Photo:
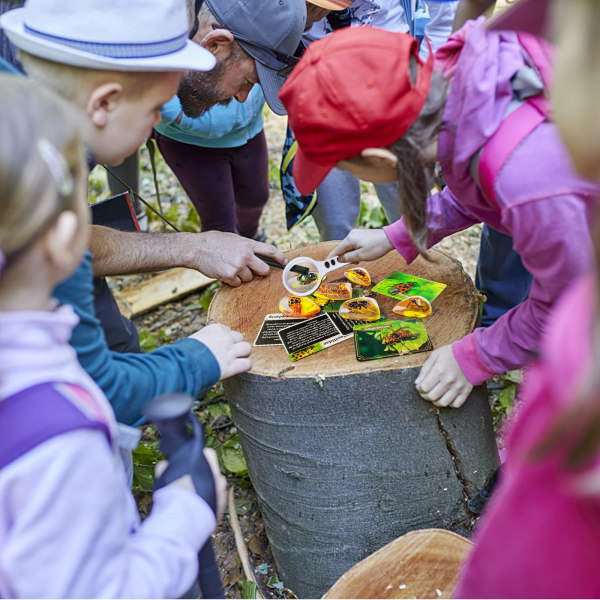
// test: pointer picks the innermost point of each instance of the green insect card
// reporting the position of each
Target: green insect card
(399, 285)
(390, 338)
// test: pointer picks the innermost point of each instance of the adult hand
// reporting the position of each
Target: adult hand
(229, 257)
(362, 244)
(187, 483)
(441, 380)
(228, 347)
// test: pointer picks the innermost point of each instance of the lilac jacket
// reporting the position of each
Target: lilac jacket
(543, 204)
(69, 526)
(540, 535)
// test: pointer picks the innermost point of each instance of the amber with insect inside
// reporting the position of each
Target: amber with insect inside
(296, 306)
(304, 280)
(360, 309)
(359, 276)
(335, 291)
(413, 306)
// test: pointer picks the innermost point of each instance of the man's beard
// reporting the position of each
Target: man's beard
(200, 90)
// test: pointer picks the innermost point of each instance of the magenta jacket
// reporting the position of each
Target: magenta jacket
(544, 205)
(540, 535)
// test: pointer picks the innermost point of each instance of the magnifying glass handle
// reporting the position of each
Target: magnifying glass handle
(273, 263)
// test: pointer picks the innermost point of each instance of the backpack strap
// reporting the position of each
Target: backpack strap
(512, 131)
(36, 414)
(519, 123)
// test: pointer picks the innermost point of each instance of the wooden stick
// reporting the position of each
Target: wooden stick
(240, 544)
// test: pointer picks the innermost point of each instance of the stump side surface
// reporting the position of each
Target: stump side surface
(244, 309)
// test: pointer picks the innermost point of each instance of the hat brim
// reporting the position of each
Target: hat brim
(190, 57)
(532, 16)
(332, 4)
(271, 83)
(308, 174)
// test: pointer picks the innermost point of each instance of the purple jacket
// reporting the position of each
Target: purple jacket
(544, 205)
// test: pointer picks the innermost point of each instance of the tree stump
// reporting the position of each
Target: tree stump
(345, 456)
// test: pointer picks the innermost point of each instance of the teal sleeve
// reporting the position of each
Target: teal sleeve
(130, 380)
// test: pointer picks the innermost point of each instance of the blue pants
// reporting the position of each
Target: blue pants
(501, 275)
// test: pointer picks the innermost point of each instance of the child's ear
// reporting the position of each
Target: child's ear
(59, 240)
(102, 101)
(219, 42)
(380, 156)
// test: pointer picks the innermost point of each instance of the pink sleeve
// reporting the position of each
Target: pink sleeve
(552, 237)
(444, 217)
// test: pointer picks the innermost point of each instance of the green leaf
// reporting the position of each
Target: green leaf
(506, 397)
(249, 589)
(275, 583)
(218, 410)
(210, 291)
(233, 460)
(145, 457)
(243, 506)
(151, 341)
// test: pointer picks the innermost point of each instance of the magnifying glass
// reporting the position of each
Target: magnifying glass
(302, 276)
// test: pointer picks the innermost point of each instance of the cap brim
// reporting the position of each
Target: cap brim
(532, 16)
(332, 4)
(308, 174)
(271, 83)
(191, 57)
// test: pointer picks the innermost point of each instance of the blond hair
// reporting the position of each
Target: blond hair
(38, 139)
(75, 83)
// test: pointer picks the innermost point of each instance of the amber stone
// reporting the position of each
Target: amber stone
(413, 306)
(296, 306)
(359, 276)
(335, 291)
(360, 309)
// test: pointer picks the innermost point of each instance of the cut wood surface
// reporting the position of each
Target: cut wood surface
(454, 313)
(164, 287)
(420, 564)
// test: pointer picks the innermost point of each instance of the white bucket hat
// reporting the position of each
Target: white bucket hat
(120, 35)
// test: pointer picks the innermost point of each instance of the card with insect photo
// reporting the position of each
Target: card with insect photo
(399, 285)
(268, 334)
(313, 335)
(390, 338)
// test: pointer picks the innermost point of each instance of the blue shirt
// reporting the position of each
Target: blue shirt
(220, 127)
(131, 380)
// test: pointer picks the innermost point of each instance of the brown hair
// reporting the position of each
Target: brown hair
(31, 195)
(415, 176)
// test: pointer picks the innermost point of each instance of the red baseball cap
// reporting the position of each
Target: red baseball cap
(350, 91)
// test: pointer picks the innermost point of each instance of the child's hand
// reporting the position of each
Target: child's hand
(442, 381)
(362, 244)
(186, 481)
(228, 347)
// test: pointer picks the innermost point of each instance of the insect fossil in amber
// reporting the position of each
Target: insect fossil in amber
(295, 306)
(359, 276)
(413, 306)
(335, 291)
(363, 309)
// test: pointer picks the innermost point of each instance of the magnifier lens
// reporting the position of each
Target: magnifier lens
(302, 284)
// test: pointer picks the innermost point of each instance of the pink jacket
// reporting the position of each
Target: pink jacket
(540, 535)
(544, 205)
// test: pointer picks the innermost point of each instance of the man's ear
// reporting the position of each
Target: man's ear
(59, 240)
(102, 101)
(376, 156)
(219, 42)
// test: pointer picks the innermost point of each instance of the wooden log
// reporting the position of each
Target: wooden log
(168, 285)
(345, 456)
(420, 564)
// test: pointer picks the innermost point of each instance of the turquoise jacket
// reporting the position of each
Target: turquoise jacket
(131, 380)
(220, 127)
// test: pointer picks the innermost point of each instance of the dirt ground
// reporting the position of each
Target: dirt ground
(179, 319)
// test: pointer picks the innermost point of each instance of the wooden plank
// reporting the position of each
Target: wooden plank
(164, 287)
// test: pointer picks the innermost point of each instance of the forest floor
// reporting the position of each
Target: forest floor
(178, 319)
